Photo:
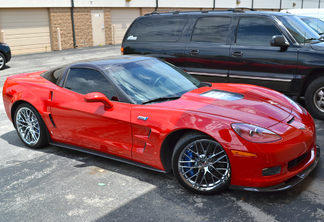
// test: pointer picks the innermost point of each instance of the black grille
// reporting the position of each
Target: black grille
(294, 162)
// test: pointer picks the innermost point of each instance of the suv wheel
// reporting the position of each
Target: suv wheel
(314, 98)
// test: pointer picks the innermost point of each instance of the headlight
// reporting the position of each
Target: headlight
(255, 134)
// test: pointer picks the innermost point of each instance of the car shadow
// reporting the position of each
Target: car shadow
(166, 185)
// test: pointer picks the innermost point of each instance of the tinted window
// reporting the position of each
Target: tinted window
(211, 29)
(256, 31)
(87, 80)
(157, 28)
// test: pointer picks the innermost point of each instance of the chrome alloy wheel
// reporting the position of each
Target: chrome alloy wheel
(319, 99)
(27, 126)
(204, 165)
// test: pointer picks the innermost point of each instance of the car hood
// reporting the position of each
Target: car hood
(242, 103)
(318, 46)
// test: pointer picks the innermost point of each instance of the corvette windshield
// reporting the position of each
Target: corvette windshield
(299, 30)
(152, 80)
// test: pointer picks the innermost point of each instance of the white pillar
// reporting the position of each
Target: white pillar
(3, 36)
(59, 39)
(114, 34)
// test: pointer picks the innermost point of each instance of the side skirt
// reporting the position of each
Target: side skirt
(105, 155)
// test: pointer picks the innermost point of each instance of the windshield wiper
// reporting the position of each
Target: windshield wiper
(160, 99)
(312, 39)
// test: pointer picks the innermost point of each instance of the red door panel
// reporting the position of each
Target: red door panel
(91, 124)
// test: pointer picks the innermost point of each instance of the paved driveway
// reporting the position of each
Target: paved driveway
(56, 184)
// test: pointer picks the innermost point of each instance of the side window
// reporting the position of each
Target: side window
(211, 29)
(157, 28)
(87, 80)
(255, 31)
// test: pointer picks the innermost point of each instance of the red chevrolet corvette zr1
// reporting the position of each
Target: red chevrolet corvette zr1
(151, 114)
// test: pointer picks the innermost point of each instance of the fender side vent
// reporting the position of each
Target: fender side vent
(50, 116)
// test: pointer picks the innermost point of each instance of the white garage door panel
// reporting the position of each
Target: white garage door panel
(33, 31)
(42, 41)
(14, 25)
(26, 30)
(122, 19)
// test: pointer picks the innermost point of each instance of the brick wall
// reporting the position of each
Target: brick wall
(83, 26)
(108, 31)
(61, 18)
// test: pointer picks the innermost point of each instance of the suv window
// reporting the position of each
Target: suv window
(211, 29)
(255, 31)
(154, 29)
(87, 80)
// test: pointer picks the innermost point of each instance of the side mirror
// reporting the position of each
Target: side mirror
(279, 40)
(98, 97)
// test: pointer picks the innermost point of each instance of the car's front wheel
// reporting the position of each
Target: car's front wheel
(2, 61)
(30, 126)
(314, 98)
(200, 164)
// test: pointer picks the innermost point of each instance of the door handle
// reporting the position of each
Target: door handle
(237, 54)
(194, 52)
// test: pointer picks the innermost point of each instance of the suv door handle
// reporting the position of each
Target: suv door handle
(194, 52)
(237, 54)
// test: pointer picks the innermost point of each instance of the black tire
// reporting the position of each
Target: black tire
(2, 61)
(200, 164)
(30, 126)
(314, 98)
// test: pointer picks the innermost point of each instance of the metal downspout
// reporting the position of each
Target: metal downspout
(157, 5)
(214, 3)
(72, 18)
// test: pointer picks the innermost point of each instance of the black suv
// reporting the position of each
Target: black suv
(5, 54)
(270, 49)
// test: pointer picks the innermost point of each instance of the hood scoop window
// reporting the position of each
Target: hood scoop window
(224, 95)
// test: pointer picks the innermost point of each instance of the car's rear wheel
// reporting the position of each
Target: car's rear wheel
(2, 61)
(200, 164)
(314, 98)
(30, 126)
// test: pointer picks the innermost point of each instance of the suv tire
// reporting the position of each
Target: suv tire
(314, 98)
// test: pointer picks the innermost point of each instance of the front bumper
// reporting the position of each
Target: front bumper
(288, 183)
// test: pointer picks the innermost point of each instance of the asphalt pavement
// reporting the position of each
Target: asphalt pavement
(57, 184)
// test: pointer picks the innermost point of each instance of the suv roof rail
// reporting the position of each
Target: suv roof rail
(163, 11)
(241, 9)
(184, 12)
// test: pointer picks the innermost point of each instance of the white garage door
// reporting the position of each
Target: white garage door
(26, 30)
(122, 19)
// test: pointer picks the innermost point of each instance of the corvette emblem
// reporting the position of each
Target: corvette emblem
(142, 118)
